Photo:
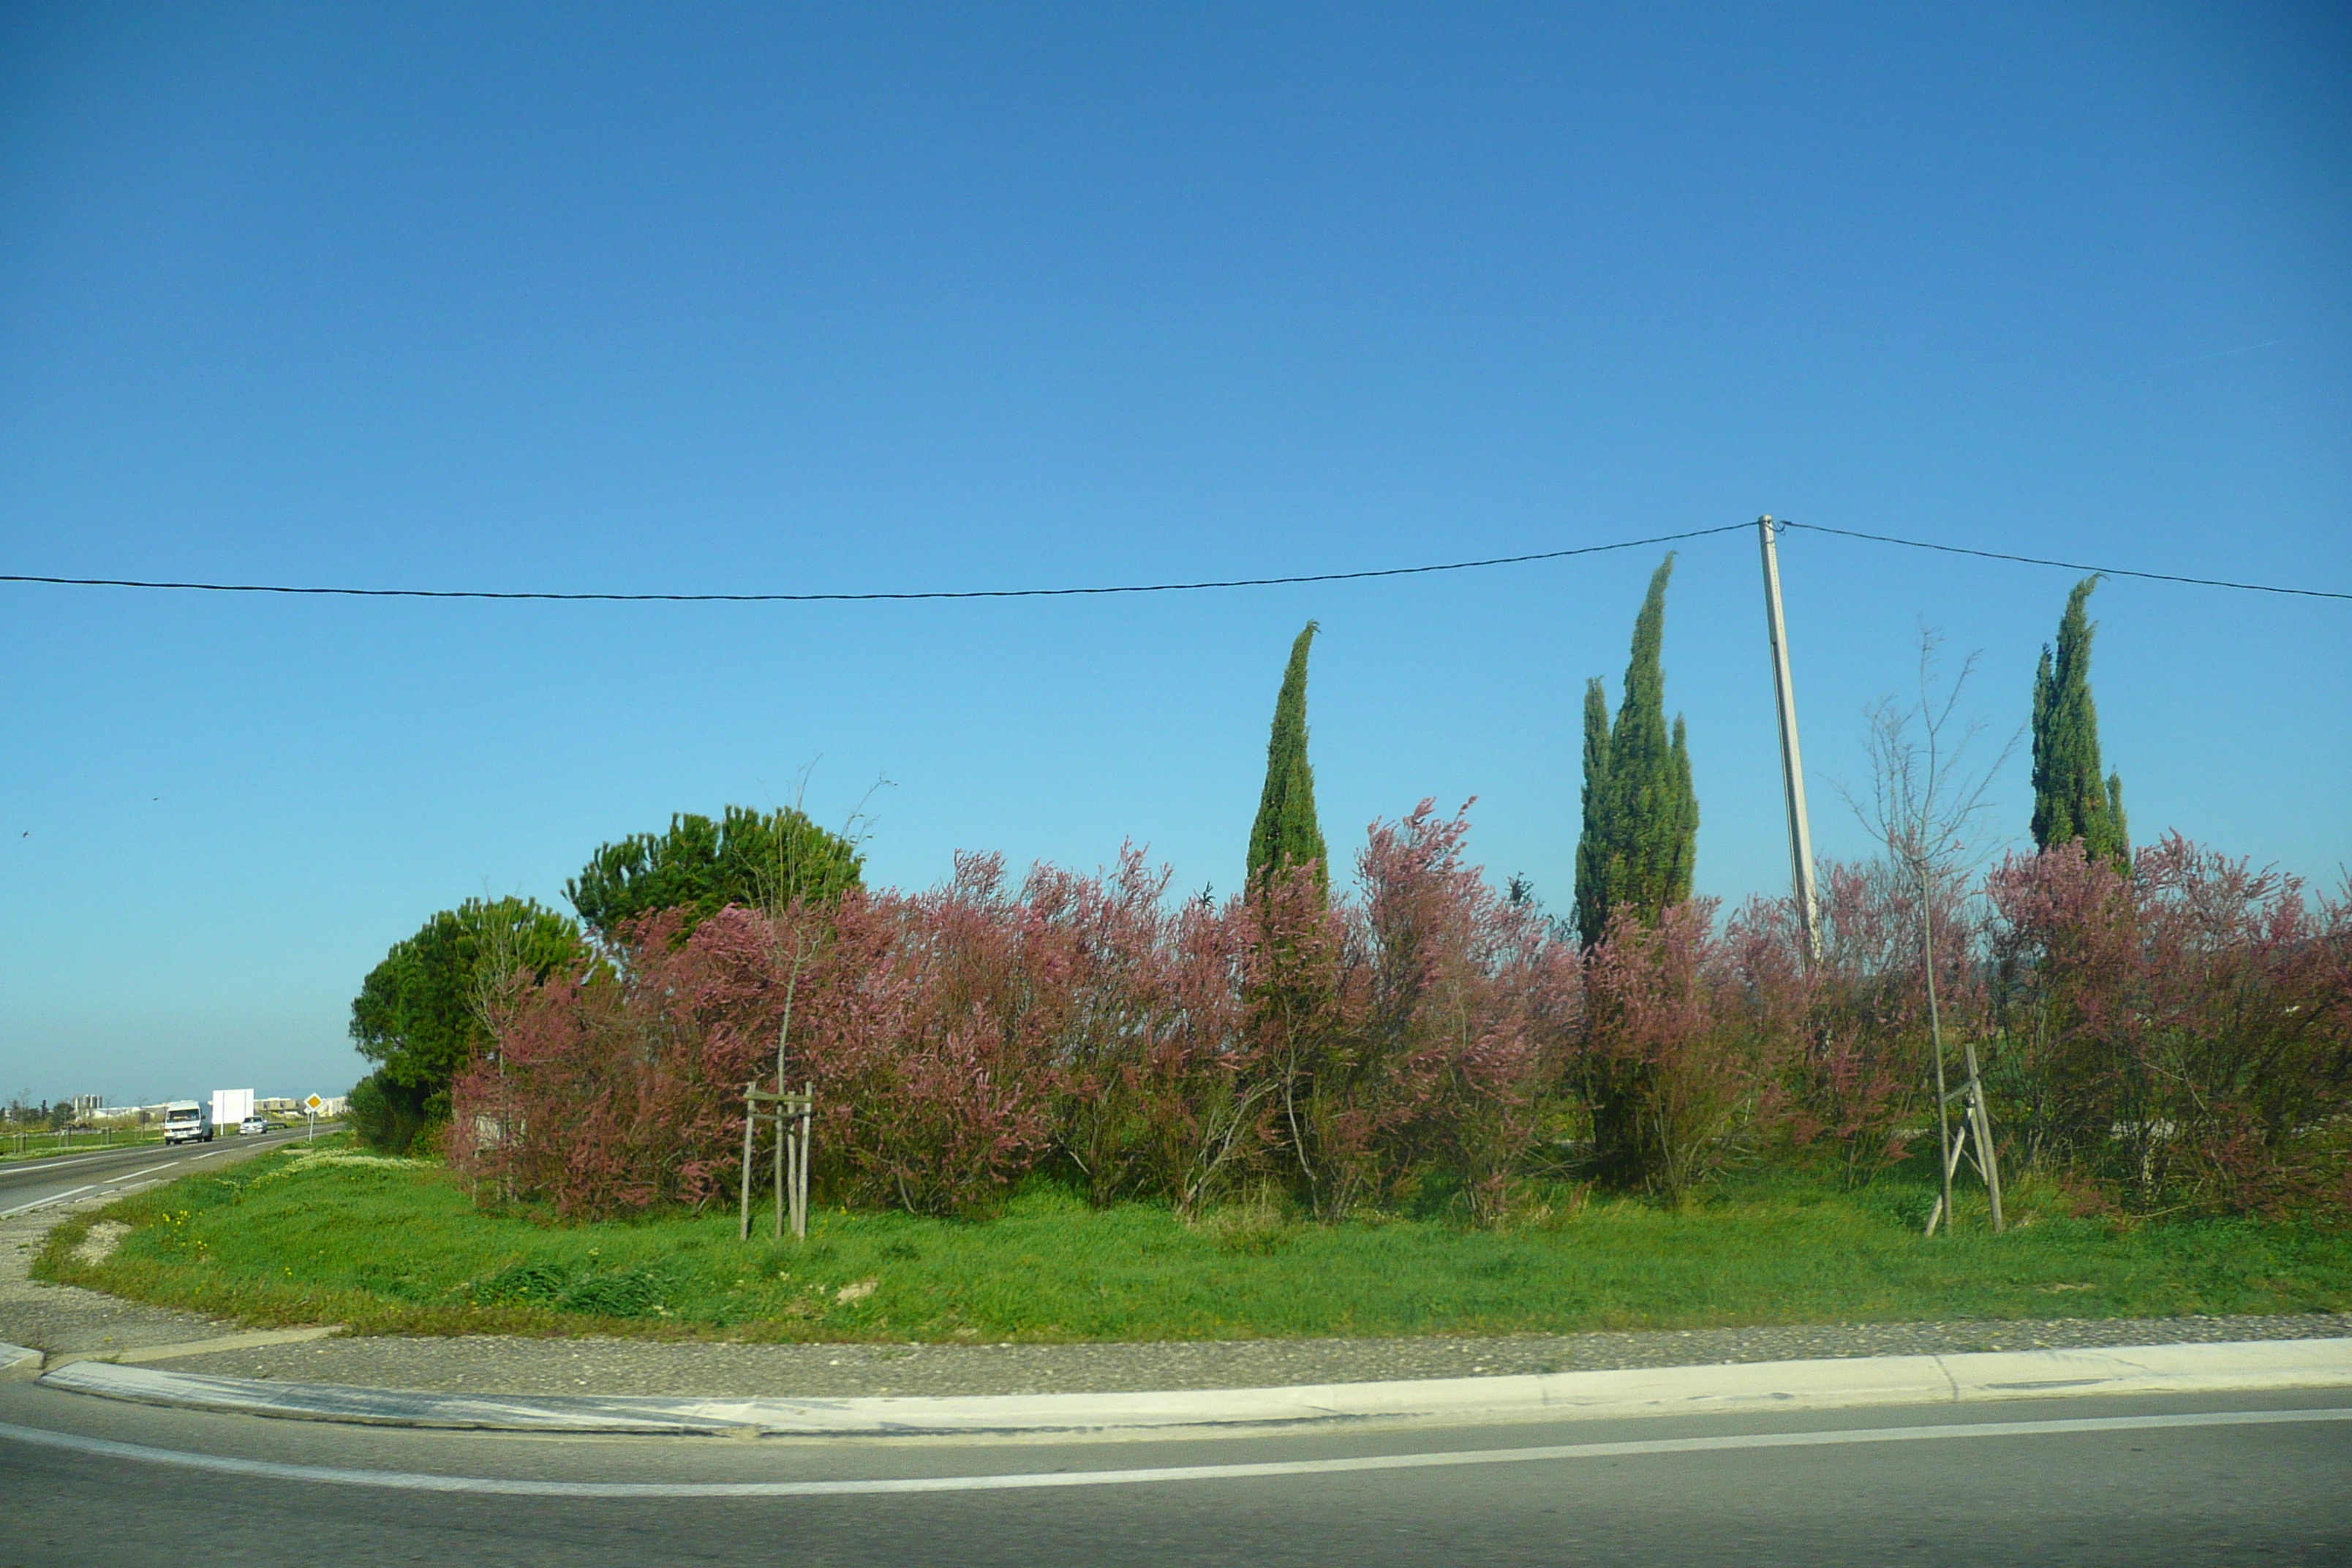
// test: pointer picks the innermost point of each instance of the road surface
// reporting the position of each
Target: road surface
(93, 1173)
(2223, 1478)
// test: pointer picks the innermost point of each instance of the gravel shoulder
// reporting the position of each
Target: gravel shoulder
(505, 1365)
(66, 1320)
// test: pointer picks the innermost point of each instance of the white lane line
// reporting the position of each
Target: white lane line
(53, 1198)
(43, 1163)
(497, 1486)
(111, 1182)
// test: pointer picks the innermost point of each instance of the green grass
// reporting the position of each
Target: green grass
(325, 1236)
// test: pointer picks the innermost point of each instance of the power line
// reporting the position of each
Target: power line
(867, 598)
(2070, 565)
(1140, 587)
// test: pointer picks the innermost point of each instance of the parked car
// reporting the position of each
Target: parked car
(253, 1124)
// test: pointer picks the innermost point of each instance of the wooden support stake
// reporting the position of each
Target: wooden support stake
(808, 1132)
(794, 1119)
(750, 1113)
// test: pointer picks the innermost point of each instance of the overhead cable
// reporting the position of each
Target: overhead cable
(2070, 565)
(1144, 587)
(866, 599)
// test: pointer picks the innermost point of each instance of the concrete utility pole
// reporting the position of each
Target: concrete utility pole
(1792, 761)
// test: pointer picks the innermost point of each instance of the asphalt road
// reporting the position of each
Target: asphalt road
(2225, 1479)
(29, 1184)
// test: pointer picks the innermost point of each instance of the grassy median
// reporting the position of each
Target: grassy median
(326, 1235)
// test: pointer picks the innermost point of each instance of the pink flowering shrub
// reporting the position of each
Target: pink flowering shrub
(959, 1038)
(1472, 1002)
(1851, 1025)
(612, 1093)
(1678, 1065)
(1417, 1034)
(2183, 1033)
(2186, 1033)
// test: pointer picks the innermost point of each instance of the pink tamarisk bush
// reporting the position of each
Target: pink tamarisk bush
(1154, 1092)
(1678, 1065)
(927, 1036)
(1417, 1034)
(2184, 1032)
(961, 1037)
(621, 1090)
(912, 1016)
(1461, 1014)
(1851, 1022)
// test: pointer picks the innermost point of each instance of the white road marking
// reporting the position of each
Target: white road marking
(53, 1162)
(44, 1163)
(111, 1182)
(496, 1486)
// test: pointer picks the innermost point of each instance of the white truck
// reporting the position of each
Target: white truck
(187, 1121)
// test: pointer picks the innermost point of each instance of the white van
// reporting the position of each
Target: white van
(187, 1121)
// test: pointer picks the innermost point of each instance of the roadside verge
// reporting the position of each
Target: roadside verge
(1651, 1391)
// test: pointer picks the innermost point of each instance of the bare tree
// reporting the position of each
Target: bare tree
(793, 941)
(1929, 789)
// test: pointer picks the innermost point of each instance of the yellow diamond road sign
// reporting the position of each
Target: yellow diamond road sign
(314, 1105)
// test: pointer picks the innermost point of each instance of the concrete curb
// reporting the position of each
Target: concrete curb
(16, 1360)
(1651, 1391)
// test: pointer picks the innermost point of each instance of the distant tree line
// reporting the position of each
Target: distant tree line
(24, 1114)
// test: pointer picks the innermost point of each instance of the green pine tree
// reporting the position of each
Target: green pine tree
(1285, 833)
(2070, 799)
(1641, 816)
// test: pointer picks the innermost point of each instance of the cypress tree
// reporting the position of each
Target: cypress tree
(1591, 844)
(1285, 833)
(1641, 816)
(2070, 800)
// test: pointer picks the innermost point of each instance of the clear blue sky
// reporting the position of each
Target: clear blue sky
(672, 297)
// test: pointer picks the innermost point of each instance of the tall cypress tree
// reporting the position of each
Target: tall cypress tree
(1591, 844)
(2070, 800)
(1285, 833)
(1641, 816)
